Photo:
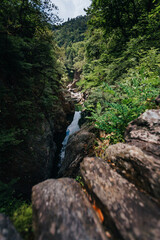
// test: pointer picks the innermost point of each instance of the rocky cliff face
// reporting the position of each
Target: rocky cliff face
(35, 159)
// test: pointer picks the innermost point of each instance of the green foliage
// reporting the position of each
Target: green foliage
(7, 201)
(71, 31)
(122, 103)
(116, 14)
(80, 180)
(119, 62)
(70, 37)
(22, 219)
(30, 74)
(17, 209)
(121, 73)
(30, 80)
(9, 137)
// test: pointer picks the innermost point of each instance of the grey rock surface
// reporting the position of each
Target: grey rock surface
(7, 230)
(132, 213)
(80, 144)
(144, 132)
(142, 169)
(61, 211)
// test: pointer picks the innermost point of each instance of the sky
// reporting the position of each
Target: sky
(71, 8)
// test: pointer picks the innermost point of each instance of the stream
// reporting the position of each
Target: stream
(72, 128)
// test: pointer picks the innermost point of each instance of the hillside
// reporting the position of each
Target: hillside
(118, 62)
(71, 31)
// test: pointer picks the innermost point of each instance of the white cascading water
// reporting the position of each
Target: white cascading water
(72, 128)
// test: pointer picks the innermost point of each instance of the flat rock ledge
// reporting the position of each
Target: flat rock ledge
(61, 211)
(132, 213)
(7, 230)
(137, 166)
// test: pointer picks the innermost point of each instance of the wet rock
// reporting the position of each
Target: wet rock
(132, 213)
(7, 230)
(144, 132)
(61, 211)
(80, 144)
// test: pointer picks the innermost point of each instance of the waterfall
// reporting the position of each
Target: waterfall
(72, 128)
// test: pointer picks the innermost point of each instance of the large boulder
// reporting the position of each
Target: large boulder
(61, 211)
(127, 211)
(80, 144)
(137, 166)
(144, 132)
(7, 230)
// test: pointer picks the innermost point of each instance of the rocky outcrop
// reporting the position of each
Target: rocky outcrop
(142, 169)
(144, 132)
(128, 212)
(139, 159)
(32, 160)
(7, 230)
(61, 211)
(35, 159)
(65, 108)
(79, 145)
(123, 188)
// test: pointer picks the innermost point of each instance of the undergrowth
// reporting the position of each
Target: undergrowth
(19, 211)
(112, 107)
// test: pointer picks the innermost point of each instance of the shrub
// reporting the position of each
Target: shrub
(123, 103)
(22, 219)
(17, 209)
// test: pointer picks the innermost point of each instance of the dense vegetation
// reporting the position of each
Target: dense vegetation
(30, 78)
(122, 70)
(70, 37)
(119, 62)
(117, 56)
(29, 74)
(71, 31)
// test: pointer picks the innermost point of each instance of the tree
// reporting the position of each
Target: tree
(29, 78)
(112, 14)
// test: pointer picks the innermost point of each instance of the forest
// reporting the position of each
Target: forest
(118, 61)
(114, 49)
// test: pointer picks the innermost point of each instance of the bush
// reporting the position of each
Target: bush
(121, 103)
(22, 220)
(17, 209)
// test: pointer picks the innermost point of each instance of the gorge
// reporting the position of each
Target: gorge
(80, 121)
